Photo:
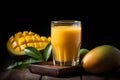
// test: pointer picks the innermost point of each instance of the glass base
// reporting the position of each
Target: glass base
(72, 63)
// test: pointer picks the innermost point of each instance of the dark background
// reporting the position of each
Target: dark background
(100, 22)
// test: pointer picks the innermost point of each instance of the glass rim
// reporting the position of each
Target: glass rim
(66, 21)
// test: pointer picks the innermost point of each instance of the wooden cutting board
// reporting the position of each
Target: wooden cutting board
(49, 69)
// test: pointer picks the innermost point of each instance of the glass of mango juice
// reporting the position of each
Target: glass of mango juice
(66, 41)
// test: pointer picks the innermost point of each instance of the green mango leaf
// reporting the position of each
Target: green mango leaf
(34, 53)
(47, 52)
(83, 52)
(23, 64)
(18, 66)
(36, 57)
(13, 65)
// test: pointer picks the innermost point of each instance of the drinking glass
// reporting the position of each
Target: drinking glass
(66, 41)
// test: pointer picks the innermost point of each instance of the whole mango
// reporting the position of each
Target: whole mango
(102, 59)
(19, 41)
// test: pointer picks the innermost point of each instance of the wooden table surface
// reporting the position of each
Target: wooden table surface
(27, 74)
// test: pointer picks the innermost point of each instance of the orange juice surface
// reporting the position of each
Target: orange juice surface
(66, 42)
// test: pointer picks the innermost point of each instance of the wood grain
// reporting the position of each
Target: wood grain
(57, 71)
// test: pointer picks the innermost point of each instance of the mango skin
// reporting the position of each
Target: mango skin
(102, 59)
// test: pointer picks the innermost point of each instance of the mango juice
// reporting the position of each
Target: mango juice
(66, 41)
